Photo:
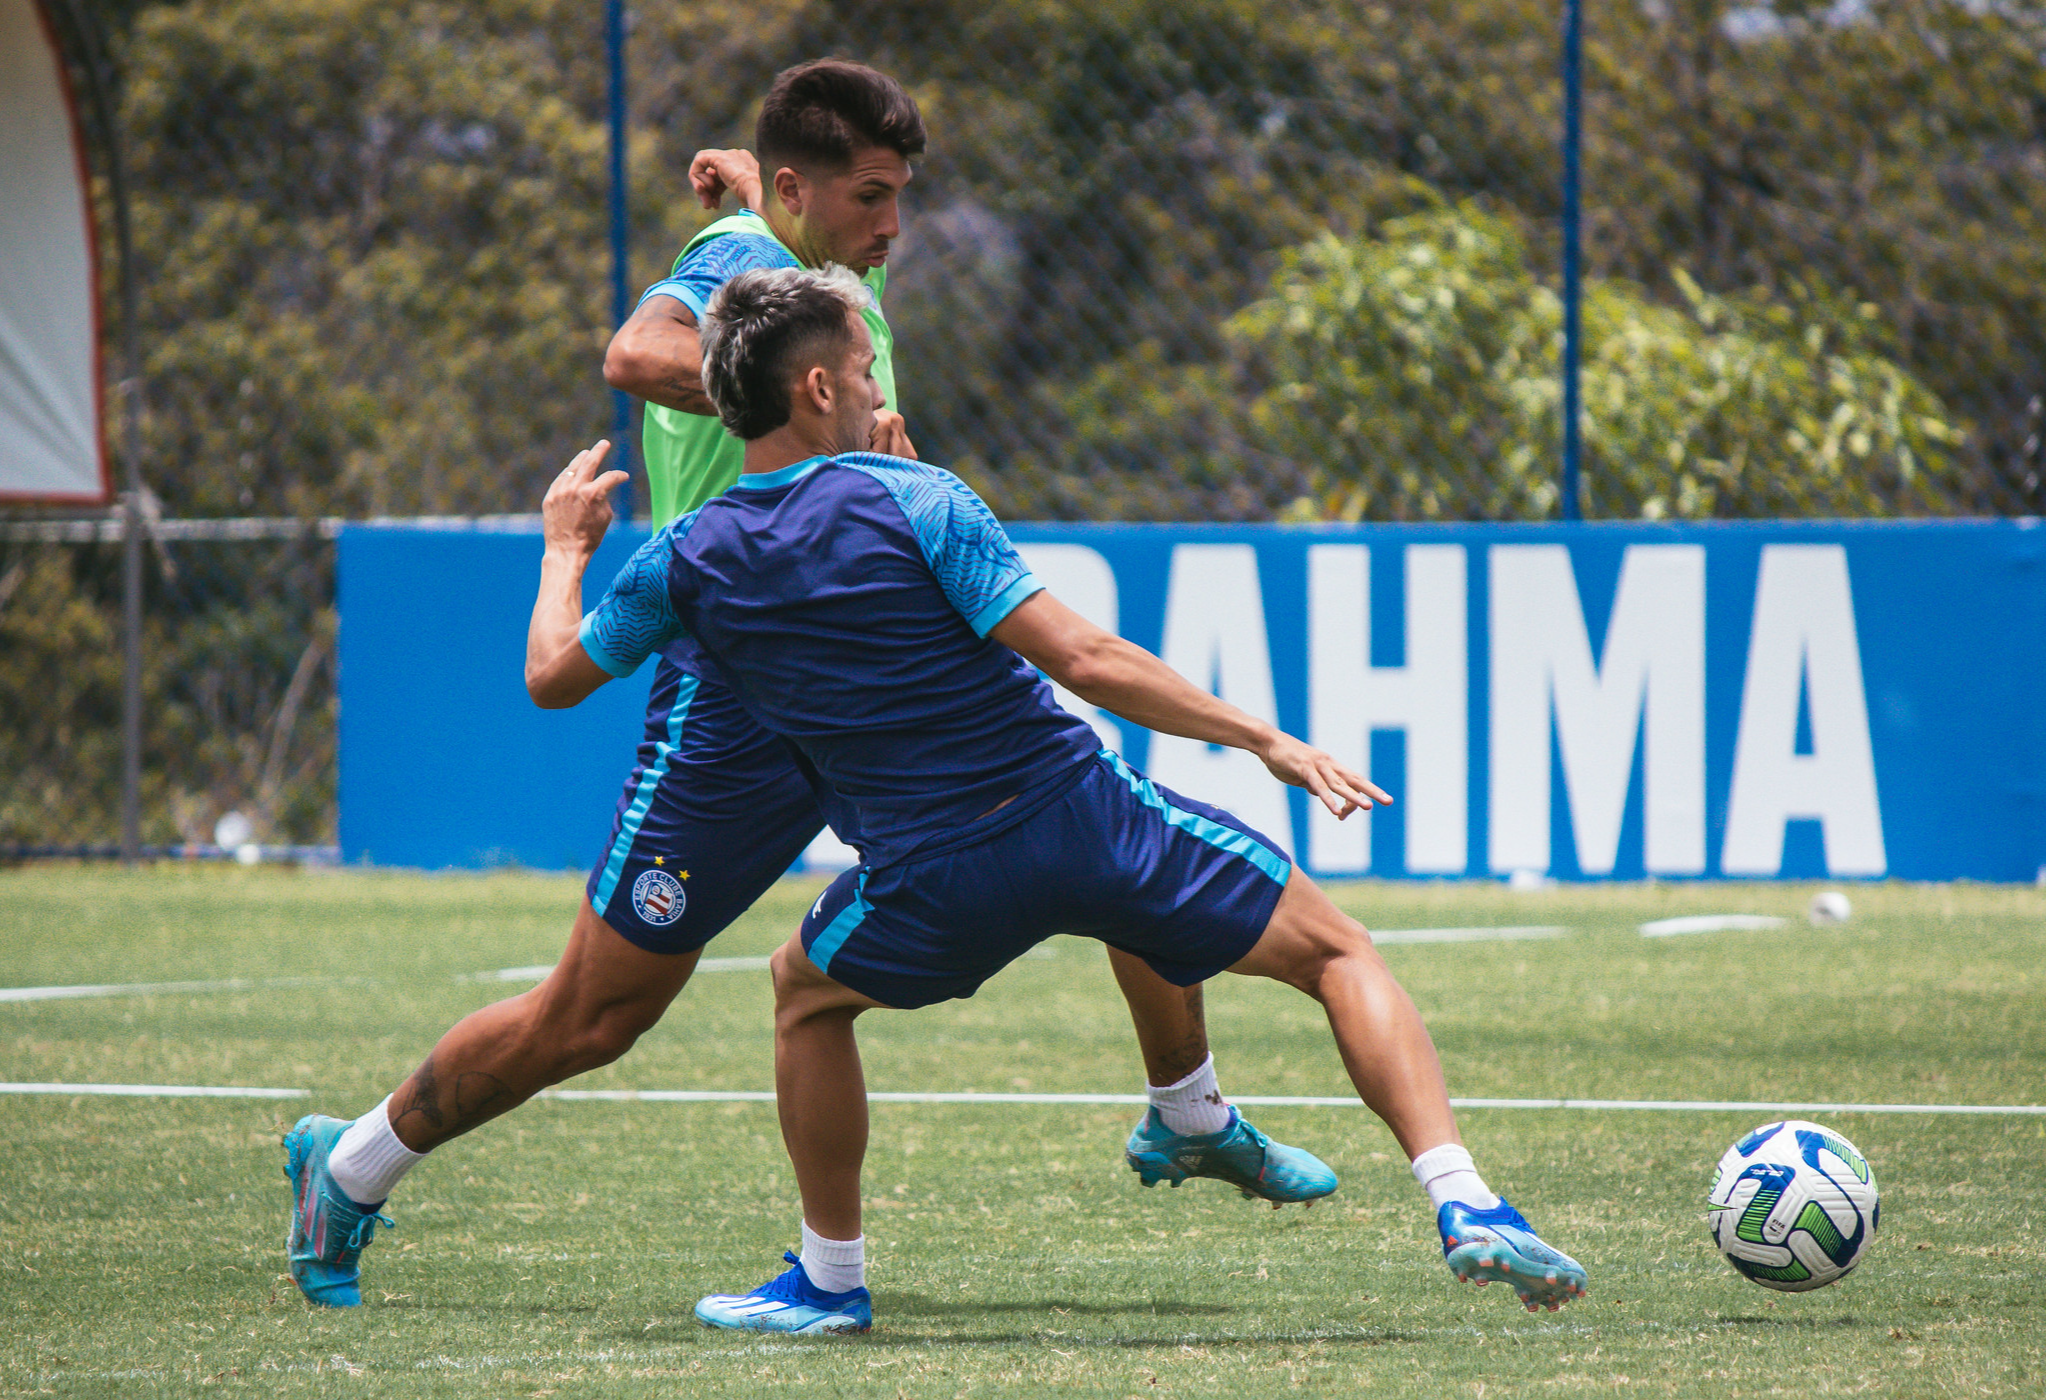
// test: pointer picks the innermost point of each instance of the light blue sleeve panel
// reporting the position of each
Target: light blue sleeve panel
(983, 576)
(636, 617)
(704, 270)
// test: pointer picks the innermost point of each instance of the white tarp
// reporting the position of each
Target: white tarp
(50, 445)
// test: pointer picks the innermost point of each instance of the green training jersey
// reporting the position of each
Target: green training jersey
(690, 457)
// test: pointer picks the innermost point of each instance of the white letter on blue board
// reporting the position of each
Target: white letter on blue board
(1082, 579)
(1215, 637)
(1804, 627)
(1652, 677)
(1349, 697)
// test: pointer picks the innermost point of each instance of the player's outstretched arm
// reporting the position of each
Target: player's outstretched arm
(656, 356)
(574, 517)
(1103, 669)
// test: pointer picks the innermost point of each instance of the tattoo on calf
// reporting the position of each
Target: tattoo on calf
(475, 1092)
(476, 1096)
(425, 1099)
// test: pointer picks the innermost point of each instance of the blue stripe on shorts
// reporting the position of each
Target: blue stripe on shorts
(1216, 834)
(835, 933)
(650, 779)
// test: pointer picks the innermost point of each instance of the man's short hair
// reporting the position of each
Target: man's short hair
(818, 113)
(761, 327)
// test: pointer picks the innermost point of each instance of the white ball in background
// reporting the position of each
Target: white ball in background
(232, 830)
(1828, 907)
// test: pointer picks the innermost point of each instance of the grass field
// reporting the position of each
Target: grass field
(559, 1251)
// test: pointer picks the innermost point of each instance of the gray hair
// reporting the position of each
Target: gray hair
(757, 326)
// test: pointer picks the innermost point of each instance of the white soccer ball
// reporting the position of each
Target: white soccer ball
(1828, 907)
(1793, 1206)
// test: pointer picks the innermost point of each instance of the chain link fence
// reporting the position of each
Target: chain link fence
(1166, 260)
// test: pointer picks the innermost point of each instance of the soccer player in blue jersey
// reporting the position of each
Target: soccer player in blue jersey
(716, 808)
(871, 611)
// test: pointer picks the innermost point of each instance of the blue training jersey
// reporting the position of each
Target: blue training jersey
(848, 601)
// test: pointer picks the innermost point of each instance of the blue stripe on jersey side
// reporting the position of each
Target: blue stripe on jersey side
(1214, 833)
(643, 797)
(827, 944)
(990, 617)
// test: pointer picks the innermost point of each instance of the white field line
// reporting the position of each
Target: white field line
(540, 970)
(1293, 1101)
(155, 1091)
(1708, 923)
(145, 989)
(1468, 935)
(208, 1091)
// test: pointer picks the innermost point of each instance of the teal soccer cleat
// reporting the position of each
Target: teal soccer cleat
(791, 1304)
(1239, 1154)
(1483, 1245)
(328, 1231)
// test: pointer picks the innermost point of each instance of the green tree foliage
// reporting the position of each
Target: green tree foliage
(1411, 376)
(238, 692)
(372, 242)
(375, 270)
(1436, 344)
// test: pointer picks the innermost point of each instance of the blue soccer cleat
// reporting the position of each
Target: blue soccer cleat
(328, 1231)
(791, 1304)
(1483, 1245)
(1239, 1154)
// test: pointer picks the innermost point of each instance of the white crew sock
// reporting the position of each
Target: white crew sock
(836, 1266)
(369, 1159)
(1447, 1174)
(1194, 1105)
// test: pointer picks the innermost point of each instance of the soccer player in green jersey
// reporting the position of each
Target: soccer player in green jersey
(717, 808)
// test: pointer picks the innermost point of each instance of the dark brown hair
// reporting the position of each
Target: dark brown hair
(818, 113)
(759, 327)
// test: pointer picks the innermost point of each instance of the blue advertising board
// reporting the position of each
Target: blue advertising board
(1755, 699)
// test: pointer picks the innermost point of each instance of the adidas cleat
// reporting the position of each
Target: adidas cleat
(792, 1304)
(328, 1231)
(1239, 1154)
(1484, 1245)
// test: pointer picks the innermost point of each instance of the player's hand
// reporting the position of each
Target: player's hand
(577, 510)
(1340, 790)
(712, 173)
(890, 435)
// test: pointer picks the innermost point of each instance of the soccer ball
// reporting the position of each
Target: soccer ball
(1828, 907)
(1793, 1206)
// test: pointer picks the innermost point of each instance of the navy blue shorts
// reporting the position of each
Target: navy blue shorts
(1104, 854)
(715, 811)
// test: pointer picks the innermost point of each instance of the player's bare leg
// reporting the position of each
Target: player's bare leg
(821, 1096)
(1391, 1059)
(1386, 1049)
(820, 1091)
(1172, 1032)
(601, 997)
(587, 1012)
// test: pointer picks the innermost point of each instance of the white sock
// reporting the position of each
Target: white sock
(1194, 1105)
(1447, 1174)
(369, 1159)
(836, 1266)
